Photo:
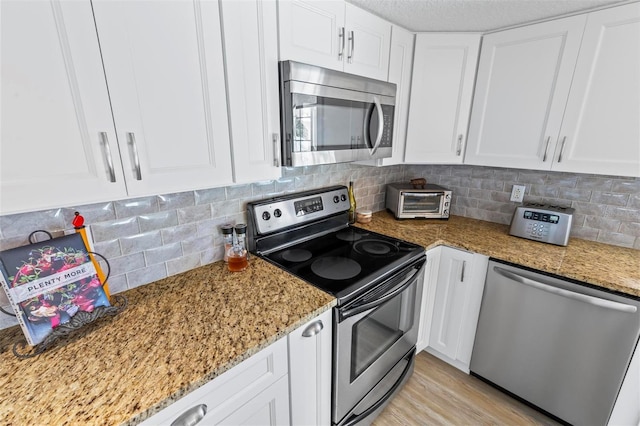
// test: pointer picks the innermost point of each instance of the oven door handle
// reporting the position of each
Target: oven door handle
(402, 286)
(407, 370)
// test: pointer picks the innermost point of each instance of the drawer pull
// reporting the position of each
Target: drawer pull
(191, 417)
(313, 329)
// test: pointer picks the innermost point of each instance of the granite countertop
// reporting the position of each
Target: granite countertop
(614, 268)
(175, 335)
(180, 332)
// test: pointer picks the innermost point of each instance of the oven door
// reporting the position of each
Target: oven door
(422, 204)
(373, 334)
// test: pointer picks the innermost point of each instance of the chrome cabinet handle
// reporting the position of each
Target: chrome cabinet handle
(459, 149)
(313, 329)
(546, 147)
(352, 40)
(592, 300)
(131, 140)
(464, 263)
(564, 139)
(191, 417)
(275, 137)
(341, 42)
(106, 150)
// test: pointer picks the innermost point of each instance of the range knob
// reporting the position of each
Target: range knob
(277, 213)
(343, 197)
(445, 212)
(336, 199)
(266, 216)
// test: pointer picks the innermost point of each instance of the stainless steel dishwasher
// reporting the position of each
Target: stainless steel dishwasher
(563, 347)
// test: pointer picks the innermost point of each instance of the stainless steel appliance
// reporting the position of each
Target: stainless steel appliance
(377, 281)
(542, 222)
(562, 346)
(429, 202)
(333, 117)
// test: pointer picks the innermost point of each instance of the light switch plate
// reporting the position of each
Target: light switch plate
(517, 193)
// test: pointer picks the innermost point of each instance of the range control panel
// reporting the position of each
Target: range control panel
(282, 212)
(542, 222)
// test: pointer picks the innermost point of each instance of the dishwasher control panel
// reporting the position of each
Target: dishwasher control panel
(542, 222)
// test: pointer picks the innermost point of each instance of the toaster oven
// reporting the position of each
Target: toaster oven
(428, 202)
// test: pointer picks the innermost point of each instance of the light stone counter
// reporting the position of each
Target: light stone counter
(175, 335)
(614, 268)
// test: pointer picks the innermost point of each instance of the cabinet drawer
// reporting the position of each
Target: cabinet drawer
(234, 388)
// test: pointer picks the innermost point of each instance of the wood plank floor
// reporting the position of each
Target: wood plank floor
(439, 394)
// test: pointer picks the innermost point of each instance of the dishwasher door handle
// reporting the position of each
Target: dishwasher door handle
(592, 300)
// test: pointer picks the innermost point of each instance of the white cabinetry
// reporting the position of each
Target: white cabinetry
(310, 352)
(453, 304)
(626, 411)
(400, 69)
(254, 392)
(250, 29)
(336, 35)
(441, 92)
(166, 96)
(561, 95)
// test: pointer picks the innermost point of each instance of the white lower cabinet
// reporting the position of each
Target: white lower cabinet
(310, 351)
(626, 411)
(451, 305)
(288, 382)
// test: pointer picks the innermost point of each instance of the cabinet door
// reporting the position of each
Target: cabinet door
(312, 32)
(524, 76)
(164, 68)
(310, 351)
(441, 92)
(251, 54)
(368, 40)
(56, 120)
(428, 297)
(601, 127)
(456, 306)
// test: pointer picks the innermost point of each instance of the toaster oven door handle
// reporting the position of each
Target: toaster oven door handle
(423, 194)
(376, 102)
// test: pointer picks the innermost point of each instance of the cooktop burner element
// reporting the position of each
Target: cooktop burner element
(296, 255)
(348, 235)
(375, 247)
(335, 268)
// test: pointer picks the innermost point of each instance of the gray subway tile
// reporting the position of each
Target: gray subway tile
(590, 234)
(564, 180)
(226, 208)
(589, 208)
(160, 220)
(92, 213)
(263, 188)
(176, 200)
(304, 182)
(115, 229)
(140, 242)
(22, 224)
(163, 253)
(146, 275)
(206, 196)
(136, 206)
(108, 249)
(210, 227)
(634, 201)
(211, 255)
(123, 264)
(594, 183)
(194, 214)
(543, 191)
(574, 194)
(609, 198)
(197, 244)
(239, 191)
(117, 284)
(538, 178)
(623, 213)
(185, 263)
(602, 223)
(178, 233)
(630, 228)
(626, 186)
(616, 239)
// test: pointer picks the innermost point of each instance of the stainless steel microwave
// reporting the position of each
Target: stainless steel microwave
(428, 202)
(330, 117)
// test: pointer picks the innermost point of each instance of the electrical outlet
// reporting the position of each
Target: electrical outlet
(517, 193)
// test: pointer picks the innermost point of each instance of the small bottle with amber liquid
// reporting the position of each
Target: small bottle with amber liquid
(237, 254)
(352, 204)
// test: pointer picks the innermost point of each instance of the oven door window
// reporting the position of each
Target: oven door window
(422, 202)
(328, 124)
(376, 332)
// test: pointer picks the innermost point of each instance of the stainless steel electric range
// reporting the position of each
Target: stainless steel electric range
(376, 279)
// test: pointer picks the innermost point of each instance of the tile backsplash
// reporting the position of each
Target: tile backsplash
(150, 238)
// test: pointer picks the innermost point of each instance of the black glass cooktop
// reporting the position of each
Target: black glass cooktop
(343, 261)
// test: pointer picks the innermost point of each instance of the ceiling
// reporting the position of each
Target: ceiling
(472, 15)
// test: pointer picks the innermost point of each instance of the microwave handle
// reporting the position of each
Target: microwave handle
(376, 101)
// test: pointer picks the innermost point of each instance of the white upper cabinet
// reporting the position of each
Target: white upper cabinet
(444, 71)
(164, 68)
(55, 119)
(561, 95)
(524, 77)
(251, 55)
(600, 131)
(400, 69)
(336, 35)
